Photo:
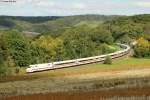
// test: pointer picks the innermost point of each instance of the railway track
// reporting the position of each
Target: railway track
(77, 62)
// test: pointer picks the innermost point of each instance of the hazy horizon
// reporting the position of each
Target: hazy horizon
(70, 15)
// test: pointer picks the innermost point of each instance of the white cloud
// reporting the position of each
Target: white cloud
(143, 4)
(42, 3)
(46, 4)
(68, 7)
(80, 6)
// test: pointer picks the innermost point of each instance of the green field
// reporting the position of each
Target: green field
(117, 65)
(122, 64)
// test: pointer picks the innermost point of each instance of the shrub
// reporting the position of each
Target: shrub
(17, 70)
(140, 52)
(108, 60)
(142, 49)
(3, 67)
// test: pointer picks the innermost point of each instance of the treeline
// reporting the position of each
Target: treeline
(6, 23)
(18, 50)
(50, 24)
(36, 19)
(57, 25)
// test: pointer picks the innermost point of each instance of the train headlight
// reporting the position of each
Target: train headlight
(29, 70)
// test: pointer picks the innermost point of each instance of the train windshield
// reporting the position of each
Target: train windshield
(31, 66)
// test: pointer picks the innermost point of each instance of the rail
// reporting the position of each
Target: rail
(77, 62)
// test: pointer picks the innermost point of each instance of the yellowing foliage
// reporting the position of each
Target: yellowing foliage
(143, 43)
(50, 46)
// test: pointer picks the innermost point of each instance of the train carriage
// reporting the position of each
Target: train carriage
(76, 62)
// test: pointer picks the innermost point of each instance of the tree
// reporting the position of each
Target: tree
(16, 46)
(83, 41)
(78, 43)
(47, 49)
(142, 49)
(101, 35)
(124, 29)
(108, 60)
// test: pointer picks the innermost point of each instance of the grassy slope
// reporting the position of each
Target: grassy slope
(124, 64)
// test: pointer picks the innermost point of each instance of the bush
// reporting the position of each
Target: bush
(142, 49)
(140, 52)
(17, 70)
(108, 60)
(3, 67)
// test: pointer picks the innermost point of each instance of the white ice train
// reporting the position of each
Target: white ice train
(76, 62)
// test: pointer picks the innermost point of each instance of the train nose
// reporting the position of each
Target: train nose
(29, 70)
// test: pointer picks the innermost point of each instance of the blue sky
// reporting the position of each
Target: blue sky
(74, 7)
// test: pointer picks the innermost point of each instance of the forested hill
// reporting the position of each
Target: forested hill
(51, 24)
(55, 24)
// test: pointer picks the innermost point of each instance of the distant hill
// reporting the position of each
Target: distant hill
(56, 25)
(50, 24)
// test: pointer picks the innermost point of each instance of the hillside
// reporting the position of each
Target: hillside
(56, 25)
(50, 24)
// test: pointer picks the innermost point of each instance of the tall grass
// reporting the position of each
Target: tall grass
(116, 94)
